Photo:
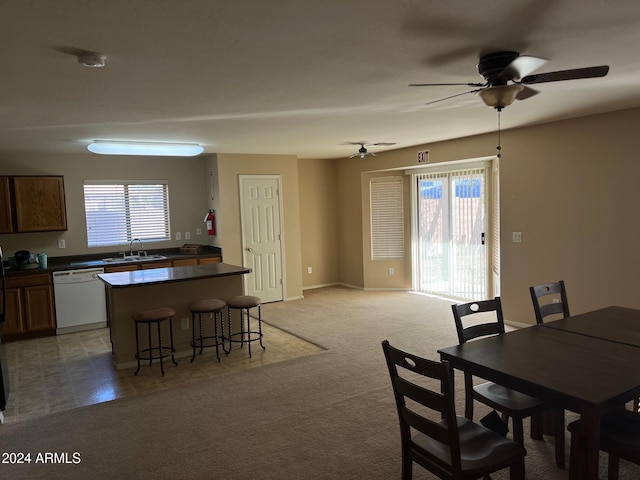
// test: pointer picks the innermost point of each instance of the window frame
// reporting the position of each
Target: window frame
(127, 219)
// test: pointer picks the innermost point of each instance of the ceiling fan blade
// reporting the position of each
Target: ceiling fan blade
(526, 92)
(453, 96)
(380, 144)
(447, 84)
(523, 66)
(575, 74)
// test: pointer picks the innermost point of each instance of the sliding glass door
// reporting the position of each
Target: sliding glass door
(451, 243)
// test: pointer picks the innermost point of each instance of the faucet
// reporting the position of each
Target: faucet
(141, 251)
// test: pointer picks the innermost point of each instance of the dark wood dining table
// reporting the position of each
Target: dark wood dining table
(565, 364)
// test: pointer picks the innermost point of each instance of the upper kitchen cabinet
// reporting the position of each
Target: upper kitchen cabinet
(32, 204)
(6, 224)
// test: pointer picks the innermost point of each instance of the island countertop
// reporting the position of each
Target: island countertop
(172, 287)
(170, 274)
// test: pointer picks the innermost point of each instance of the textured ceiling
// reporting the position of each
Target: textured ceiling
(295, 77)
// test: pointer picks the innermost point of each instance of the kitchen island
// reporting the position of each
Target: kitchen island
(174, 287)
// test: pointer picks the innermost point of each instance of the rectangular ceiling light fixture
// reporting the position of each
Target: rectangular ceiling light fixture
(108, 147)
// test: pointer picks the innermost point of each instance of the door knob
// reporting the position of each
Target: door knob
(249, 249)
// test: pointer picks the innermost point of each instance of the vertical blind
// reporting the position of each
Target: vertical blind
(387, 218)
(451, 223)
(118, 212)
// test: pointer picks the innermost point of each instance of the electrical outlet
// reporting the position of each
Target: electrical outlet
(198, 231)
(187, 235)
(309, 269)
(392, 271)
(516, 237)
(62, 243)
(555, 300)
(184, 323)
(178, 236)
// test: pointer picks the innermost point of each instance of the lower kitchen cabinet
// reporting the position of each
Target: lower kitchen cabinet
(207, 260)
(30, 307)
(148, 266)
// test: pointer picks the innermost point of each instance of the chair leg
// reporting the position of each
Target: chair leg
(468, 397)
(407, 467)
(516, 470)
(614, 463)
(577, 458)
(537, 426)
(518, 435)
(559, 437)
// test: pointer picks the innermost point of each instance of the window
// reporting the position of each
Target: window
(387, 218)
(118, 212)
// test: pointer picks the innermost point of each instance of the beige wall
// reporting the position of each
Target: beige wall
(187, 196)
(230, 166)
(318, 221)
(570, 187)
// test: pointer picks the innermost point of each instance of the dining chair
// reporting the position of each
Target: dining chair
(432, 435)
(619, 437)
(483, 319)
(544, 309)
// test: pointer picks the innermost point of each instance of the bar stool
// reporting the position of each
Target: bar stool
(215, 308)
(245, 303)
(148, 317)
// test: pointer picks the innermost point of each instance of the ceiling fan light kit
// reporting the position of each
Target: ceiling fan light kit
(507, 75)
(500, 96)
(91, 59)
(155, 149)
(363, 152)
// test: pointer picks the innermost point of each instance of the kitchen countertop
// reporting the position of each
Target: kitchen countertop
(170, 274)
(77, 262)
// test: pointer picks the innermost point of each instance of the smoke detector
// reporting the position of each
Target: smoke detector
(91, 59)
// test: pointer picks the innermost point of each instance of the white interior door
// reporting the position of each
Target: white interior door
(261, 211)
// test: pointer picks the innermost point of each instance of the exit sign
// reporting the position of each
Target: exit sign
(423, 157)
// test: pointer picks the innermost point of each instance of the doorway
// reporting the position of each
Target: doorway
(450, 247)
(261, 220)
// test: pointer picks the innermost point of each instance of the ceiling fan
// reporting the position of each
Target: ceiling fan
(363, 152)
(507, 75)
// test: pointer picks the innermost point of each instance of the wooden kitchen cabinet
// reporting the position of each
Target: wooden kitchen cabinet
(121, 268)
(30, 307)
(207, 260)
(6, 222)
(32, 204)
(39, 204)
(185, 262)
(148, 266)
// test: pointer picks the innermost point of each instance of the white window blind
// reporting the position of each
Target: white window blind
(387, 218)
(118, 212)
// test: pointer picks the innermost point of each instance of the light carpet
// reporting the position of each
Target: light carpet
(325, 416)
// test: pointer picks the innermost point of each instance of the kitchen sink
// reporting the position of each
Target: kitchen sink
(133, 258)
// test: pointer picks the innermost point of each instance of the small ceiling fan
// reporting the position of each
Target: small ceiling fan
(507, 75)
(363, 152)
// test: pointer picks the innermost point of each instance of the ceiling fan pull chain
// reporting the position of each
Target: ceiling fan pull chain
(499, 147)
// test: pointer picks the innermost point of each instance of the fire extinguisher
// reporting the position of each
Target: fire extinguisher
(210, 220)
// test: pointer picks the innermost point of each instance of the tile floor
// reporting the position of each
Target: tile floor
(68, 371)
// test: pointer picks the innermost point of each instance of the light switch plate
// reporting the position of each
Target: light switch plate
(178, 236)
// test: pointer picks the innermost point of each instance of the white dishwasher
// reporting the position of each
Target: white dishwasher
(80, 300)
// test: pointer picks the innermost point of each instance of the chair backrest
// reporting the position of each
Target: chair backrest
(423, 408)
(542, 309)
(465, 314)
